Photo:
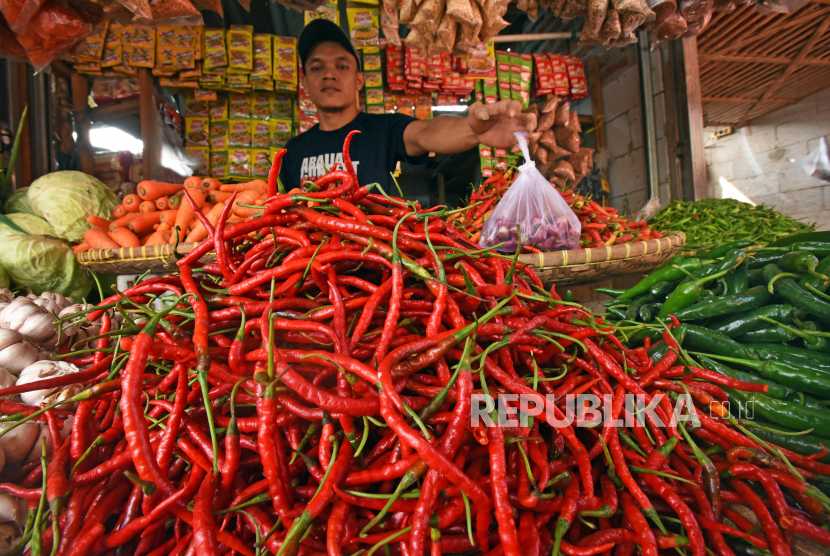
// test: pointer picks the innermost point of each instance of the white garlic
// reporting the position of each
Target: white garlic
(6, 295)
(16, 355)
(8, 508)
(17, 443)
(7, 380)
(42, 370)
(43, 438)
(30, 319)
(9, 537)
(17, 312)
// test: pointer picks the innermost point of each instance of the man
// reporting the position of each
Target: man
(332, 76)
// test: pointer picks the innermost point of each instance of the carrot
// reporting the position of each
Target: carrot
(150, 190)
(186, 215)
(97, 238)
(147, 206)
(144, 222)
(131, 202)
(211, 184)
(81, 247)
(175, 201)
(163, 203)
(207, 206)
(124, 237)
(164, 226)
(98, 222)
(168, 216)
(193, 182)
(121, 222)
(253, 184)
(118, 211)
(159, 238)
(199, 232)
(218, 196)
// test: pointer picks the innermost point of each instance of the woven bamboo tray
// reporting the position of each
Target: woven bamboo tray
(583, 266)
(135, 260)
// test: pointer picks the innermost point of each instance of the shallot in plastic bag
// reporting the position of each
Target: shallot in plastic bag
(533, 206)
(817, 163)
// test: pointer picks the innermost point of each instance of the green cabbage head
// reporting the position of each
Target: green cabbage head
(19, 202)
(32, 225)
(4, 279)
(42, 264)
(65, 199)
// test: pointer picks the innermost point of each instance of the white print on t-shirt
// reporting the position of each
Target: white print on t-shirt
(314, 167)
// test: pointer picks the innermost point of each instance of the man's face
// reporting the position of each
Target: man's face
(332, 78)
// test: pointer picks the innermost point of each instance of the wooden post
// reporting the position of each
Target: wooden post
(149, 125)
(25, 153)
(695, 100)
(80, 105)
(442, 190)
(597, 107)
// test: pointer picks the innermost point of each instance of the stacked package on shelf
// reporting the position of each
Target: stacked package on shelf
(496, 160)
(197, 123)
(262, 74)
(219, 136)
(307, 112)
(285, 63)
(373, 80)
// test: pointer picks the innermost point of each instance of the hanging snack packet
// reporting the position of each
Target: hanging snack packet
(534, 207)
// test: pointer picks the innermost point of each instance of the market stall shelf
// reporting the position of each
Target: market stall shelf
(131, 260)
(583, 266)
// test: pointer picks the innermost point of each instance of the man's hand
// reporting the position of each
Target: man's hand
(494, 124)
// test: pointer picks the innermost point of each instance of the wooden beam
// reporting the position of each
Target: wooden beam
(151, 157)
(80, 105)
(743, 100)
(794, 65)
(778, 60)
(695, 102)
(597, 106)
(25, 153)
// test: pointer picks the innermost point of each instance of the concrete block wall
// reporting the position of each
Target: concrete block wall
(763, 159)
(627, 166)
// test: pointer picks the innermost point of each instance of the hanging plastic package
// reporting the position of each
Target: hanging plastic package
(817, 163)
(535, 208)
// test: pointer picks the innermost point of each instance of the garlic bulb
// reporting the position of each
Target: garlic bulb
(6, 295)
(36, 451)
(48, 304)
(57, 298)
(3, 306)
(17, 443)
(16, 313)
(9, 537)
(42, 370)
(7, 380)
(16, 352)
(9, 508)
(31, 320)
(38, 327)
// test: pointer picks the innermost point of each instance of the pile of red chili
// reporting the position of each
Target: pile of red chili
(313, 391)
(601, 226)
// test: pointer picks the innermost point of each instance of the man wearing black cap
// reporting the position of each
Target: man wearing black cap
(333, 76)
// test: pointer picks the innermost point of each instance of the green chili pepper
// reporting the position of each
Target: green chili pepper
(767, 334)
(610, 292)
(726, 305)
(817, 248)
(719, 252)
(776, 390)
(662, 290)
(649, 310)
(802, 262)
(789, 374)
(673, 269)
(697, 338)
(818, 343)
(748, 321)
(790, 415)
(737, 281)
(787, 288)
(762, 259)
(687, 293)
(804, 444)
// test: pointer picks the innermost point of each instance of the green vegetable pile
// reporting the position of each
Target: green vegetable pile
(719, 221)
(759, 315)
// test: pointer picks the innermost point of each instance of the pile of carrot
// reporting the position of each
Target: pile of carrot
(156, 215)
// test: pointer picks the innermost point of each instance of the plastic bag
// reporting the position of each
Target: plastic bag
(817, 163)
(780, 6)
(51, 30)
(648, 211)
(535, 207)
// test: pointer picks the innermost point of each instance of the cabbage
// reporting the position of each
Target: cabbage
(65, 199)
(42, 264)
(4, 279)
(32, 225)
(19, 201)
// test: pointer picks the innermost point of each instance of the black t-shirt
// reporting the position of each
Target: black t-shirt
(375, 151)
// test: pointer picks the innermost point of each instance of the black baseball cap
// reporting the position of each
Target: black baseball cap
(323, 30)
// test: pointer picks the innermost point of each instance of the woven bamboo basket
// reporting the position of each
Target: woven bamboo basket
(135, 260)
(583, 266)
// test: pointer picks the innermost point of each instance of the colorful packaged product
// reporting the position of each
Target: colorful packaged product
(576, 76)
(240, 163)
(219, 132)
(204, 153)
(239, 133)
(196, 131)
(260, 163)
(280, 132)
(241, 47)
(363, 26)
(281, 106)
(260, 106)
(215, 53)
(219, 164)
(260, 134)
(285, 61)
(239, 105)
(561, 83)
